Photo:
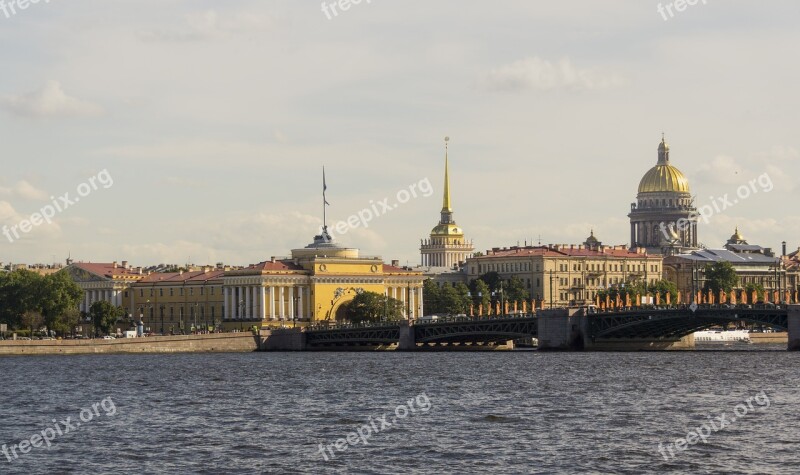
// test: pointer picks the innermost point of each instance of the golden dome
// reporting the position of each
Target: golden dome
(664, 177)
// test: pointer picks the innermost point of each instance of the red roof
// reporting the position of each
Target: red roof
(178, 277)
(564, 251)
(283, 265)
(108, 270)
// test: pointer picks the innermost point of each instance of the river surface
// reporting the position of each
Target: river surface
(492, 412)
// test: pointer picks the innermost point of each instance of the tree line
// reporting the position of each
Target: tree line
(31, 301)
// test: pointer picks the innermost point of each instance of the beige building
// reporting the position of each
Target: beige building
(563, 275)
(753, 264)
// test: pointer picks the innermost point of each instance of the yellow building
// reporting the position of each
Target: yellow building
(310, 286)
(563, 275)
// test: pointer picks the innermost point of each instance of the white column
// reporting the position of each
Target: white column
(291, 303)
(263, 307)
(86, 301)
(272, 302)
(246, 303)
(225, 302)
(300, 305)
(411, 307)
(421, 307)
(280, 302)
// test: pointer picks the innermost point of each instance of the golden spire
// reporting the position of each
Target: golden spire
(446, 197)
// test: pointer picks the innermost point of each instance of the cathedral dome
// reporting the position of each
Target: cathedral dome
(664, 177)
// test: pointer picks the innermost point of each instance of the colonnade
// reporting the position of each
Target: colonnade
(273, 302)
(91, 296)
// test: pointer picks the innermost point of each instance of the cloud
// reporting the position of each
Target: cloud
(209, 25)
(25, 190)
(10, 218)
(539, 74)
(49, 101)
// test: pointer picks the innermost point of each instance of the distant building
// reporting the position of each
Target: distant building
(791, 262)
(446, 248)
(753, 264)
(562, 275)
(663, 218)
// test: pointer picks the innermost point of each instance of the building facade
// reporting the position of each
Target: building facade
(663, 218)
(753, 264)
(565, 275)
(312, 285)
(446, 247)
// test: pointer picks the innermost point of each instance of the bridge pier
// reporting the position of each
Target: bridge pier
(794, 328)
(563, 329)
(292, 339)
(408, 340)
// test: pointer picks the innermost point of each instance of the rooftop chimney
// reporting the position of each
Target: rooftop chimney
(124, 264)
(395, 263)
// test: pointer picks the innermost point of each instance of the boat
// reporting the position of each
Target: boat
(722, 336)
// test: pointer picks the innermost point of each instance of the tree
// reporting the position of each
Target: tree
(481, 294)
(454, 302)
(492, 279)
(33, 320)
(19, 293)
(58, 295)
(373, 307)
(720, 276)
(662, 288)
(432, 296)
(104, 315)
(516, 291)
(751, 287)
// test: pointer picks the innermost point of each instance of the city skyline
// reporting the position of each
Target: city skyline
(220, 161)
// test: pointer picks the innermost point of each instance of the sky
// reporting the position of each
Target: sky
(197, 131)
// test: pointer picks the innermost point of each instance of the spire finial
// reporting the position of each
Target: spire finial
(446, 194)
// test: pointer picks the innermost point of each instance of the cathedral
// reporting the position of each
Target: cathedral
(664, 218)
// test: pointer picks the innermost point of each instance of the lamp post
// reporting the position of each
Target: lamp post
(551, 288)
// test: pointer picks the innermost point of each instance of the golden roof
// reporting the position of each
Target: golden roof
(663, 177)
(447, 230)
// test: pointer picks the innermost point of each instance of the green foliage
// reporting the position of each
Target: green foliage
(720, 276)
(104, 315)
(664, 287)
(373, 307)
(447, 299)
(516, 292)
(750, 287)
(53, 297)
(492, 279)
(481, 294)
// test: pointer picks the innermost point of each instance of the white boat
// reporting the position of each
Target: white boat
(722, 336)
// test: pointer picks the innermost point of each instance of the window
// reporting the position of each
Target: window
(202, 290)
(160, 292)
(141, 293)
(171, 292)
(181, 292)
(152, 292)
(212, 290)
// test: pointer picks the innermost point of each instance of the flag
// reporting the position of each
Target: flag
(324, 187)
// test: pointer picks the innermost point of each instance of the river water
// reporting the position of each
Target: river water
(488, 412)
